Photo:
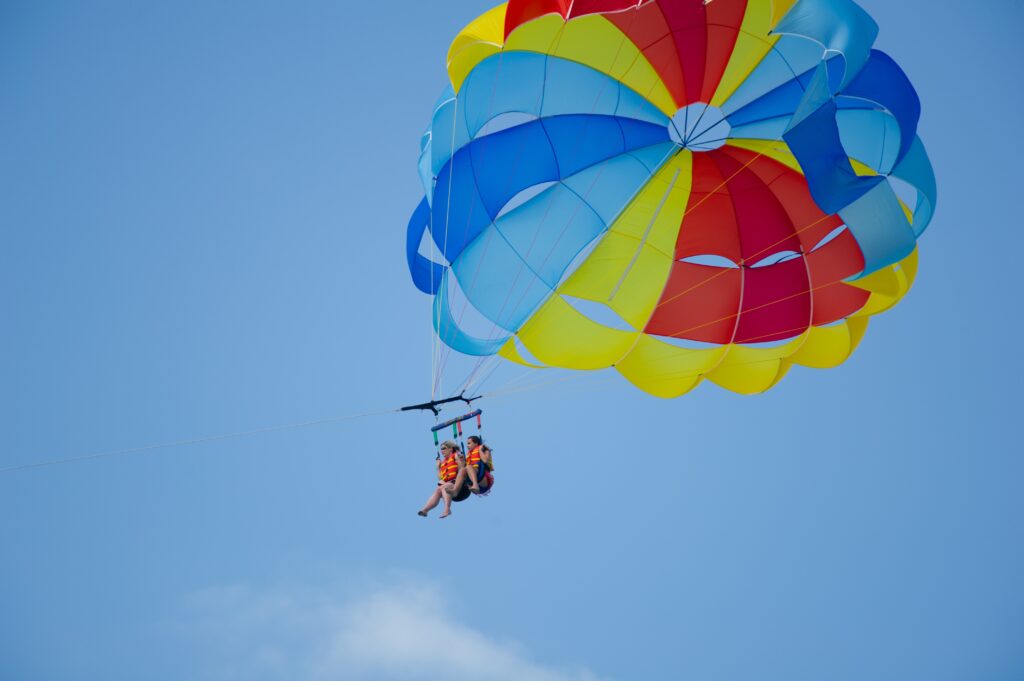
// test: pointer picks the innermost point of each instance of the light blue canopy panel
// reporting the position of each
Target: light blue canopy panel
(528, 83)
(839, 25)
(511, 268)
(451, 333)
(482, 177)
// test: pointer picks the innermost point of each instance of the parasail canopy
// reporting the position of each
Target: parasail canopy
(677, 189)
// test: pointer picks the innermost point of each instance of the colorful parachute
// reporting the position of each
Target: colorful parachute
(675, 189)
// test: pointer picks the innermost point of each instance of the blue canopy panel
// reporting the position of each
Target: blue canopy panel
(871, 137)
(879, 225)
(533, 84)
(813, 137)
(841, 26)
(783, 100)
(883, 84)
(517, 261)
(830, 109)
(474, 187)
(916, 170)
(868, 205)
(790, 57)
(426, 274)
(452, 335)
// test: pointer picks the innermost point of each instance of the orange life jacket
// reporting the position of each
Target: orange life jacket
(474, 459)
(448, 469)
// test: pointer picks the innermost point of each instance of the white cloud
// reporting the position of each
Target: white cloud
(401, 632)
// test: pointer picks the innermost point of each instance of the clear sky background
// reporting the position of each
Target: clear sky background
(202, 211)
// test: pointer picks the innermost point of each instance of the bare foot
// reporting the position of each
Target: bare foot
(422, 513)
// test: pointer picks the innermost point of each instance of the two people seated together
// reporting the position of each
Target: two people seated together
(459, 475)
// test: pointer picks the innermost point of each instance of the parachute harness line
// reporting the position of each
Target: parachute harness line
(435, 378)
(579, 140)
(515, 166)
(779, 134)
(522, 266)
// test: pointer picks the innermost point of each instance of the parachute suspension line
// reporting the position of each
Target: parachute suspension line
(433, 293)
(585, 198)
(697, 205)
(571, 377)
(682, 222)
(434, 340)
(496, 362)
(444, 351)
(485, 370)
(195, 441)
(579, 142)
(553, 46)
(647, 233)
(697, 123)
(881, 153)
(697, 134)
(436, 371)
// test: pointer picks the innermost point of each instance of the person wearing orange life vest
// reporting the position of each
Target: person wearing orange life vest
(449, 470)
(478, 467)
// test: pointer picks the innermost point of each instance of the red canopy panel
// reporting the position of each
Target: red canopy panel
(520, 12)
(779, 301)
(705, 36)
(764, 227)
(699, 303)
(829, 265)
(746, 208)
(776, 302)
(737, 213)
(709, 223)
(687, 42)
(790, 188)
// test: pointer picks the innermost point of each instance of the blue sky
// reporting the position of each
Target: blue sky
(203, 211)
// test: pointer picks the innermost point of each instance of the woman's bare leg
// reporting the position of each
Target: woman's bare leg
(446, 492)
(459, 479)
(474, 484)
(433, 501)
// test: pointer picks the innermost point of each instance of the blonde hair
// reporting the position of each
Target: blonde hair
(450, 445)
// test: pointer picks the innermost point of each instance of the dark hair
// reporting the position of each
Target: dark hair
(479, 440)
